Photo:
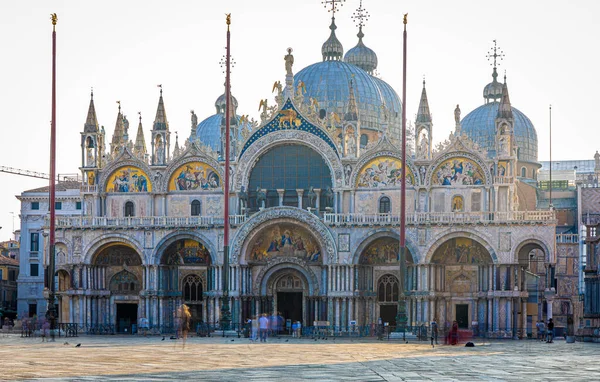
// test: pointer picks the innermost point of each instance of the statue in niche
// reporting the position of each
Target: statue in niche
(289, 62)
(261, 198)
(597, 160)
(312, 197)
(350, 144)
(328, 194)
(424, 146)
(347, 173)
(457, 115)
(160, 150)
(243, 197)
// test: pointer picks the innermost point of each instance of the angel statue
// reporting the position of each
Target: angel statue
(263, 105)
(277, 86)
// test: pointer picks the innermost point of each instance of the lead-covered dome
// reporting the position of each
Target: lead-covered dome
(480, 126)
(208, 131)
(361, 55)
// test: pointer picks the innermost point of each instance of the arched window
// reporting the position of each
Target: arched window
(192, 288)
(523, 172)
(364, 141)
(129, 209)
(533, 174)
(195, 208)
(387, 290)
(384, 205)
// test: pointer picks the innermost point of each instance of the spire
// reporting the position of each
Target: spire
(160, 121)
(352, 113)
(423, 115)
(91, 122)
(176, 150)
(505, 110)
(139, 150)
(117, 138)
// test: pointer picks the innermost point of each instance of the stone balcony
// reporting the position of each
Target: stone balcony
(331, 219)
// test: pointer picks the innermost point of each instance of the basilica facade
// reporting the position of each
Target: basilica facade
(315, 196)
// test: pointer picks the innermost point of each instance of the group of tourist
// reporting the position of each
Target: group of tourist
(545, 331)
(263, 326)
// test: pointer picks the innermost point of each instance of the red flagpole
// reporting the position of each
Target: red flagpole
(51, 313)
(225, 311)
(401, 318)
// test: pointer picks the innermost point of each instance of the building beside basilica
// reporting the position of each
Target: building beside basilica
(315, 219)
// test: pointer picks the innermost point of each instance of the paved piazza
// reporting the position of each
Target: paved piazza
(221, 359)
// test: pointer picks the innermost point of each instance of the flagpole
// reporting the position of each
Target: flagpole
(51, 311)
(225, 310)
(401, 318)
(550, 111)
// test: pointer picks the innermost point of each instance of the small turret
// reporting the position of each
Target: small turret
(423, 127)
(161, 136)
(92, 145)
(332, 49)
(118, 140)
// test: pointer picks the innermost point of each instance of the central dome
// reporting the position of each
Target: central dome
(329, 83)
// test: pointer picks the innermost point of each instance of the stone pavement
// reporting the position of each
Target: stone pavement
(128, 358)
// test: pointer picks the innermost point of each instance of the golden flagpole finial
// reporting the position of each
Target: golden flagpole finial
(54, 19)
(228, 19)
(405, 18)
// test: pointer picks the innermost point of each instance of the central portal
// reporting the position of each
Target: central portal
(289, 304)
(126, 317)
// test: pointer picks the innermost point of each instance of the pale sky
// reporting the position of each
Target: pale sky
(123, 49)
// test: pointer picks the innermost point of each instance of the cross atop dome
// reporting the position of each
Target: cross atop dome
(496, 54)
(335, 5)
(360, 16)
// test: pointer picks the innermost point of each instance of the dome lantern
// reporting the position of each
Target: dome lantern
(361, 56)
(332, 49)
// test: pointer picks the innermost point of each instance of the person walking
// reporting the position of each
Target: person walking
(434, 333)
(254, 337)
(550, 331)
(263, 324)
(185, 318)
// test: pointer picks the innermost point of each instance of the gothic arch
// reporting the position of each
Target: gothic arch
(169, 239)
(275, 215)
(92, 249)
(379, 233)
(284, 137)
(463, 233)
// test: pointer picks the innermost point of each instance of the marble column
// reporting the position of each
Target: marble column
(352, 194)
(300, 193)
(280, 192)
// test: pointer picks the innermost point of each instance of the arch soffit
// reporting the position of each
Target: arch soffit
(282, 265)
(364, 160)
(283, 137)
(275, 215)
(463, 233)
(379, 233)
(171, 238)
(458, 154)
(123, 160)
(193, 154)
(534, 242)
(92, 249)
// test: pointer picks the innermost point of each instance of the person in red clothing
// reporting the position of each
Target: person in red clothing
(454, 333)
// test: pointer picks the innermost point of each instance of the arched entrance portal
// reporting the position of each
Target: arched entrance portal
(462, 267)
(183, 272)
(377, 279)
(288, 288)
(116, 268)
